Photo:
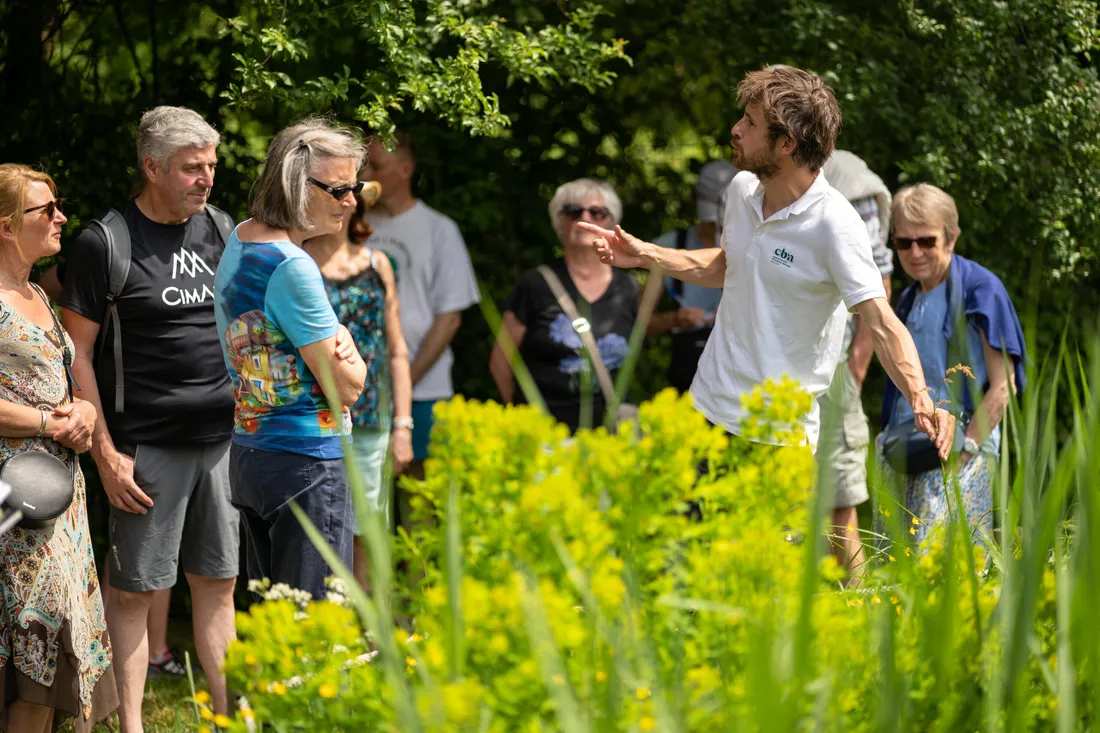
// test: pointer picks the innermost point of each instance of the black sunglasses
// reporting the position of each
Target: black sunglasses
(339, 193)
(576, 211)
(903, 244)
(51, 207)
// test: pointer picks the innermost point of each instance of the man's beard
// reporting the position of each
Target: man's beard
(191, 206)
(763, 165)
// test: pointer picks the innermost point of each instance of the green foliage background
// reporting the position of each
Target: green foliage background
(994, 101)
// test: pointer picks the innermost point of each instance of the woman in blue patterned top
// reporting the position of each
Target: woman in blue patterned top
(363, 293)
(280, 338)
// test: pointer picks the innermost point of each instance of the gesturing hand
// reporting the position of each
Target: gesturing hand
(345, 346)
(118, 482)
(617, 248)
(938, 424)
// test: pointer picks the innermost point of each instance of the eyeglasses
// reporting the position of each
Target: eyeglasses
(51, 207)
(339, 193)
(903, 244)
(576, 211)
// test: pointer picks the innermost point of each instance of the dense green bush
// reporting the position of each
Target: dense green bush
(996, 102)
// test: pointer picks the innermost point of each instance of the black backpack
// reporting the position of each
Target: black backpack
(116, 235)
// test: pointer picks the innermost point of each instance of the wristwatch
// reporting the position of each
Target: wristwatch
(403, 422)
(971, 446)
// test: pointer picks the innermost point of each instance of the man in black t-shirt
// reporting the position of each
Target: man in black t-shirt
(162, 457)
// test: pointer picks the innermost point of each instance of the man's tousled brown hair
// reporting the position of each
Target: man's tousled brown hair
(797, 105)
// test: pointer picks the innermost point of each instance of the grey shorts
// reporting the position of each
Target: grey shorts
(192, 523)
(845, 438)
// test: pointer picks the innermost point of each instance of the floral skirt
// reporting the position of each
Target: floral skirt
(928, 500)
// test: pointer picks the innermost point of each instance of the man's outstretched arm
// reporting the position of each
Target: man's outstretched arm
(898, 354)
(706, 267)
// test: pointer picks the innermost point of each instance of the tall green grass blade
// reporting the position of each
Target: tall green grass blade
(386, 642)
(519, 368)
(650, 295)
(557, 682)
(453, 560)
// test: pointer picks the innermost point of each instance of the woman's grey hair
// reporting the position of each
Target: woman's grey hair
(164, 131)
(576, 191)
(923, 203)
(281, 196)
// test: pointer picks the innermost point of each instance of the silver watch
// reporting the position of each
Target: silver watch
(971, 446)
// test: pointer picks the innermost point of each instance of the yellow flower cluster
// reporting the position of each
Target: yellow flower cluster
(630, 580)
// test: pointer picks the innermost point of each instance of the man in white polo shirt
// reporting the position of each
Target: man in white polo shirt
(794, 260)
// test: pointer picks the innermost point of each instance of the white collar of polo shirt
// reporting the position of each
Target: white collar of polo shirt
(810, 196)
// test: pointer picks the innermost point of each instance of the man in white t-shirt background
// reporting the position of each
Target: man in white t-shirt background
(435, 280)
(794, 260)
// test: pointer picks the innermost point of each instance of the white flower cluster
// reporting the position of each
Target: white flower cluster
(279, 592)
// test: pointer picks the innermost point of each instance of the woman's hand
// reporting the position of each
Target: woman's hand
(401, 448)
(345, 346)
(74, 425)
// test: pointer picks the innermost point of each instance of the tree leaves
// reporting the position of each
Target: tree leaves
(426, 57)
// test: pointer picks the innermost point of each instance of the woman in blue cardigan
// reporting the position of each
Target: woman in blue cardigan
(958, 313)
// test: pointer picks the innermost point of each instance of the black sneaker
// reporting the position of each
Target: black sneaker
(169, 666)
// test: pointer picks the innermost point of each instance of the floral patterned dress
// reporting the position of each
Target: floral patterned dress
(54, 649)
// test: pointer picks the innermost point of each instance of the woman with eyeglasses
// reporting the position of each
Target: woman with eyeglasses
(548, 342)
(55, 656)
(958, 312)
(363, 292)
(295, 369)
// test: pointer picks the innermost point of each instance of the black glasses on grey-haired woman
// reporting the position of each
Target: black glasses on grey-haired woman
(341, 192)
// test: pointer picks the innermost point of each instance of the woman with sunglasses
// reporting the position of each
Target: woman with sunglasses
(958, 312)
(282, 342)
(545, 336)
(362, 290)
(55, 656)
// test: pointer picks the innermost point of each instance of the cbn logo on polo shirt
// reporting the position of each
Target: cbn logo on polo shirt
(188, 264)
(782, 257)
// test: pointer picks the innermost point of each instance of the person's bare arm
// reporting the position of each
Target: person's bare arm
(51, 283)
(1002, 385)
(337, 357)
(435, 342)
(116, 470)
(898, 354)
(687, 319)
(400, 377)
(21, 421)
(862, 348)
(706, 267)
(499, 366)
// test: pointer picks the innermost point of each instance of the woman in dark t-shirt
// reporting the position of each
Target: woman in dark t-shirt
(544, 334)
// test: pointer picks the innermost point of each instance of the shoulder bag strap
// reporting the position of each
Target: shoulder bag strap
(583, 329)
(66, 360)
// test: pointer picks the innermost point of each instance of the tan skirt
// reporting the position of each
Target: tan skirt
(64, 694)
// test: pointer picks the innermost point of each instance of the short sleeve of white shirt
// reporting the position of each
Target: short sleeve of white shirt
(851, 264)
(454, 287)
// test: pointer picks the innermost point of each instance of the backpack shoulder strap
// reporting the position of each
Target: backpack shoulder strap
(116, 236)
(583, 329)
(223, 222)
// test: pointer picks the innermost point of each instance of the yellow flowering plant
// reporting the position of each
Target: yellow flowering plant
(672, 579)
